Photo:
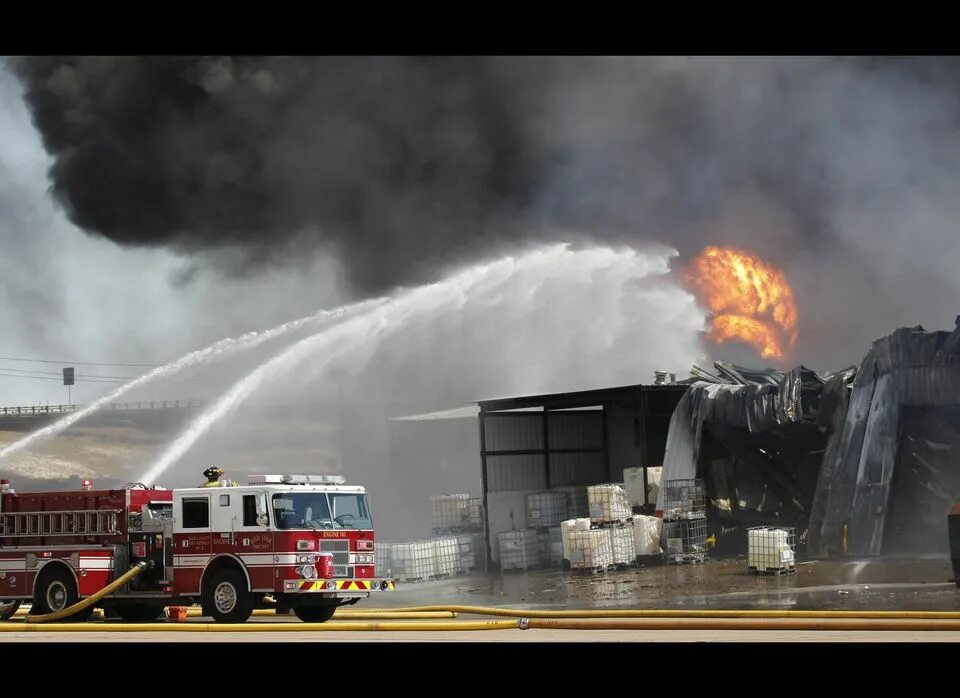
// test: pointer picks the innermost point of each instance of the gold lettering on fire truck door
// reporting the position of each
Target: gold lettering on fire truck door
(334, 534)
(261, 541)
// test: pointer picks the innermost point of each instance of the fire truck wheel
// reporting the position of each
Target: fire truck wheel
(8, 609)
(56, 591)
(314, 614)
(227, 598)
(140, 612)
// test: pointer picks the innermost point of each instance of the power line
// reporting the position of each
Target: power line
(59, 373)
(73, 363)
(50, 378)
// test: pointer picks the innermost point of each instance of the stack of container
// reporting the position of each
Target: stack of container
(684, 533)
(459, 516)
(518, 550)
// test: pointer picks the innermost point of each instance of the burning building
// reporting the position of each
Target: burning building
(861, 461)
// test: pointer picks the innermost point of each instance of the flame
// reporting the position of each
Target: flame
(750, 299)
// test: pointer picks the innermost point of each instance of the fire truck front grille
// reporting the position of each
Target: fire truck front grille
(341, 556)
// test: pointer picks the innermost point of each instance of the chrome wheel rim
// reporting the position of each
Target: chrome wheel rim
(225, 597)
(57, 596)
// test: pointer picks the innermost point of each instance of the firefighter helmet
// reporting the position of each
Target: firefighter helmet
(213, 474)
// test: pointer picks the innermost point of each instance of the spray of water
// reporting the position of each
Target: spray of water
(362, 333)
(218, 350)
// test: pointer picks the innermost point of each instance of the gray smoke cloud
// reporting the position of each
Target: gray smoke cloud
(839, 170)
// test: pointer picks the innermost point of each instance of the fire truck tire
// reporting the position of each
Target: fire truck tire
(314, 614)
(226, 597)
(8, 609)
(140, 612)
(56, 591)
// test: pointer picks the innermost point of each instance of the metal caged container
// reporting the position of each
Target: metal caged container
(771, 550)
(684, 500)
(685, 540)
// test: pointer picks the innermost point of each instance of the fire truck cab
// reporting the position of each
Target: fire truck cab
(307, 541)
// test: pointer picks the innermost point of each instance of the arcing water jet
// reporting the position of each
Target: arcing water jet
(218, 350)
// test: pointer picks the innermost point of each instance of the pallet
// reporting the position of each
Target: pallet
(589, 570)
(621, 566)
(686, 559)
(773, 570)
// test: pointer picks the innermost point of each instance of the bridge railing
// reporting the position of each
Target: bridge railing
(41, 410)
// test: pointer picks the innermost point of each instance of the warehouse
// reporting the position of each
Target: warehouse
(542, 442)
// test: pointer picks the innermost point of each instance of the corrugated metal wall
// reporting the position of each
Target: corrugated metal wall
(575, 430)
(515, 473)
(576, 469)
(521, 432)
(624, 452)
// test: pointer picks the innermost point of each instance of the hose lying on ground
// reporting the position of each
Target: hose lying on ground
(675, 613)
(329, 626)
(90, 600)
(343, 614)
(698, 624)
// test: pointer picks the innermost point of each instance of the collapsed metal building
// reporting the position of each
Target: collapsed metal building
(860, 462)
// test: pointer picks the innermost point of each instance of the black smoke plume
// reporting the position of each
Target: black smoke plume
(836, 169)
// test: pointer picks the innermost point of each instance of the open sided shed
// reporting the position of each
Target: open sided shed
(537, 442)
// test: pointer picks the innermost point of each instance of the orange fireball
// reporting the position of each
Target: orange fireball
(750, 299)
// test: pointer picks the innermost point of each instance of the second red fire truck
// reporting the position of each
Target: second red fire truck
(305, 541)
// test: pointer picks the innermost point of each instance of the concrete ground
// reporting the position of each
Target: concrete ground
(715, 584)
(924, 584)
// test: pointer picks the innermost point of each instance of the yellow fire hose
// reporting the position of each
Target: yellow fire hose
(678, 613)
(90, 600)
(863, 624)
(386, 614)
(435, 612)
(372, 614)
(329, 626)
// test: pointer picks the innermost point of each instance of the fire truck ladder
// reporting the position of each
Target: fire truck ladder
(34, 524)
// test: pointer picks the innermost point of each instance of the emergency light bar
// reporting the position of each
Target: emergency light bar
(297, 480)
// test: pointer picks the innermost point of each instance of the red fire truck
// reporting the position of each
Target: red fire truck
(304, 540)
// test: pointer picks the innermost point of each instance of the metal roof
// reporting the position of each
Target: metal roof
(583, 398)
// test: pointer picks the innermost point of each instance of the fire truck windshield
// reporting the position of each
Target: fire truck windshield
(313, 510)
